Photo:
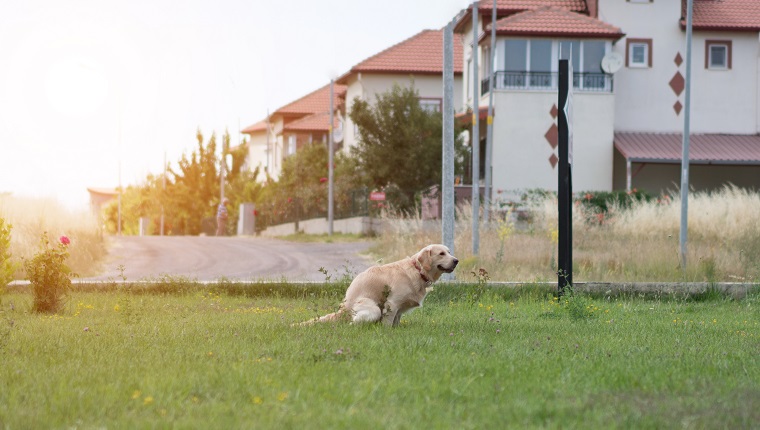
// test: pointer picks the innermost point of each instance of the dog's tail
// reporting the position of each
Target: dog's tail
(335, 316)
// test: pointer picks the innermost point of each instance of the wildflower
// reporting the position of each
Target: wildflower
(282, 396)
(116, 308)
(148, 400)
(64, 240)
(136, 394)
(257, 400)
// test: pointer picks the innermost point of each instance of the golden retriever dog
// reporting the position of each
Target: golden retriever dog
(388, 291)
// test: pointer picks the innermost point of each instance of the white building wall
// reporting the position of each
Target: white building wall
(368, 86)
(257, 153)
(521, 151)
(722, 101)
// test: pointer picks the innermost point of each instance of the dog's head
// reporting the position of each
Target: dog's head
(435, 260)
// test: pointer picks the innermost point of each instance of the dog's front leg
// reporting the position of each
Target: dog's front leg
(391, 316)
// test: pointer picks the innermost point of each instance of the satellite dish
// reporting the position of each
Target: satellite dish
(338, 131)
(612, 62)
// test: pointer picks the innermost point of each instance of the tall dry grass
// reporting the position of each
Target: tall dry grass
(635, 244)
(31, 217)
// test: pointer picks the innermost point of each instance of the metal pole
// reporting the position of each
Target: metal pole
(475, 135)
(269, 172)
(685, 146)
(489, 134)
(221, 175)
(447, 183)
(331, 170)
(163, 196)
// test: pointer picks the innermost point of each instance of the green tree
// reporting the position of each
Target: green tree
(399, 145)
(302, 189)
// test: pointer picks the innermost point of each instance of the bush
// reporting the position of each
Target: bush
(49, 275)
(7, 267)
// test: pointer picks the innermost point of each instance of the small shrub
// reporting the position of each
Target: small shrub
(7, 267)
(49, 275)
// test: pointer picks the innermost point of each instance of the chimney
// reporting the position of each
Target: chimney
(593, 8)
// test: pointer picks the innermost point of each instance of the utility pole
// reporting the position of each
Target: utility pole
(163, 196)
(685, 146)
(330, 169)
(447, 183)
(489, 134)
(475, 135)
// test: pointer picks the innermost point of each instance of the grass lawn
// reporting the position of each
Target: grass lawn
(211, 357)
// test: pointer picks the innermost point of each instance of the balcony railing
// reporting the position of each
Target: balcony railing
(591, 82)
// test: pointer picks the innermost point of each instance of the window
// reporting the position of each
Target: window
(431, 105)
(718, 54)
(291, 145)
(540, 63)
(638, 53)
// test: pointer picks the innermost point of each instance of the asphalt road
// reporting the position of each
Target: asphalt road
(235, 258)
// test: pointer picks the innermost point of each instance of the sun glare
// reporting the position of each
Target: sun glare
(76, 87)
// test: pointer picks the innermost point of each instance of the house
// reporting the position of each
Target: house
(418, 59)
(627, 119)
(298, 123)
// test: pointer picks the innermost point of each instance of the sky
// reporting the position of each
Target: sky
(95, 93)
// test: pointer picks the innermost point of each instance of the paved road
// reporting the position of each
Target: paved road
(245, 259)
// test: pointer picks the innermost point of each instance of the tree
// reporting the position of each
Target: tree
(191, 193)
(302, 188)
(399, 145)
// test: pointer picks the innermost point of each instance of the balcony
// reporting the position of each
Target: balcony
(548, 81)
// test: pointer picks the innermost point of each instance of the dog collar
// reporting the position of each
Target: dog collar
(422, 274)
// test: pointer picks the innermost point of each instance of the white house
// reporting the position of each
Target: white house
(301, 122)
(418, 59)
(624, 124)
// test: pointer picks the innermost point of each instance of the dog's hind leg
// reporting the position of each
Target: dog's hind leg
(366, 310)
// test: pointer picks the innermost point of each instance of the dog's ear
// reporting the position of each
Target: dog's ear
(426, 258)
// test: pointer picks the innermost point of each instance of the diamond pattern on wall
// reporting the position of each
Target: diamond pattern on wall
(677, 83)
(553, 160)
(678, 60)
(677, 107)
(554, 112)
(552, 136)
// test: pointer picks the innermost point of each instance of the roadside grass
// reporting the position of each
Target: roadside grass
(635, 244)
(31, 217)
(225, 356)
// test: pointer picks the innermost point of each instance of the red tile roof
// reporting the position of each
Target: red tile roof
(512, 6)
(724, 15)
(317, 101)
(259, 126)
(729, 149)
(314, 102)
(315, 122)
(505, 8)
(419, 54)
(552, 21)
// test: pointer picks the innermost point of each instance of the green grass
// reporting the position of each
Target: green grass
(218, 357)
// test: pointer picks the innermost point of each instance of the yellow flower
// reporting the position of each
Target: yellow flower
(116, 308)
(257, 400)
(136, 394)
(148, 400)
(282, 396)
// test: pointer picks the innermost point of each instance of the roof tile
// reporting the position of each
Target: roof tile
(317, 101)
(507, 6)
(421, 53)
(554, 21)
(703, 148)
(731, 15)
(316, 122)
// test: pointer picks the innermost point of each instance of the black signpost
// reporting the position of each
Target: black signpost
(565, 179)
